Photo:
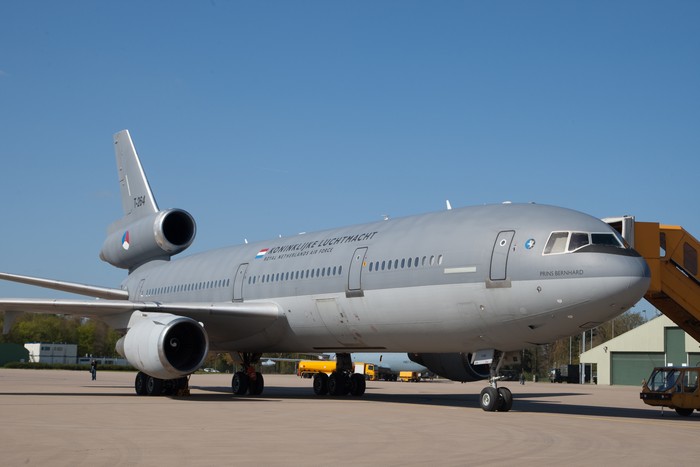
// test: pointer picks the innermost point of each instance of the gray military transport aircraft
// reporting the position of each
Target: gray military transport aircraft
(462, 290)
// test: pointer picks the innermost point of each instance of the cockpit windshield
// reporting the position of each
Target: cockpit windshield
(567, 242)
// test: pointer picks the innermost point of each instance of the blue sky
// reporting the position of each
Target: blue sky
(277, 117)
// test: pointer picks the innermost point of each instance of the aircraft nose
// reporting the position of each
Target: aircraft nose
(639, 276)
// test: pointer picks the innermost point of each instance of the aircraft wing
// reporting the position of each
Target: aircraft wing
(266, 312)
(72, 287)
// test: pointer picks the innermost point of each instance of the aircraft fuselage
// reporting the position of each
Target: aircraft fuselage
(457, 280)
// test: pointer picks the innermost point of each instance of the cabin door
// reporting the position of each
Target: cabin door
(238, 283)
(499, 255)
(355, 272)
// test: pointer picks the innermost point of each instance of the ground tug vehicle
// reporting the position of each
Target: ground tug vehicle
(673, 387)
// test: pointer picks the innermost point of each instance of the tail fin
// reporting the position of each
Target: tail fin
(137, 197)
(144, 233)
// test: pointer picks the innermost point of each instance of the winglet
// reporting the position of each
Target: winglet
(137, 198)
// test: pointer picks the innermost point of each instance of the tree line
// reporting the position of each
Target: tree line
(93, 337)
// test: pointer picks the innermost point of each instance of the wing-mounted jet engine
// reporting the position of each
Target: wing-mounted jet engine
(165, 348)
(159, 235)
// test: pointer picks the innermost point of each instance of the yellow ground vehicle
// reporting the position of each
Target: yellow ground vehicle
(674, 387)
(308, 368)
(374, 372)
(412, 376)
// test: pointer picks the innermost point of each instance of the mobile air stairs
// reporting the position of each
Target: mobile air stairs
(672, 255)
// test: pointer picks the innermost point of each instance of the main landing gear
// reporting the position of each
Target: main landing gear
(146, 385)
(493, 398)
(342, 381)
(247, 380)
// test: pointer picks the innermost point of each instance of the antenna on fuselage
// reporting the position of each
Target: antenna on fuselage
(447, 203)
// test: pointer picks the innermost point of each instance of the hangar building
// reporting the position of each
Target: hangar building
(629, 358)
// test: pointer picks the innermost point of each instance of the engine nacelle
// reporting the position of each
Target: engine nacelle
(454, 366)
(163, 345)
(157, 236)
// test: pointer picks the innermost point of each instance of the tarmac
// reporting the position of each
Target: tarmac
(62, 418)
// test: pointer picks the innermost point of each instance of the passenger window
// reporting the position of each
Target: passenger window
(556, 243)
(578, 240)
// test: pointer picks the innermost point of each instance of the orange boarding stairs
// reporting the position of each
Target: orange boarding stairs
(672, 255)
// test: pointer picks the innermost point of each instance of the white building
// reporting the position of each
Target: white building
(40, 352)
(630, 357)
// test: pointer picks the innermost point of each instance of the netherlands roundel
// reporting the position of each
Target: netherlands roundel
(530, 244)
(125, 240)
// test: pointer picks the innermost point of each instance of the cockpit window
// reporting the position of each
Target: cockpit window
(556, 243)
(567, 242)
(578, 240)
(606, 239)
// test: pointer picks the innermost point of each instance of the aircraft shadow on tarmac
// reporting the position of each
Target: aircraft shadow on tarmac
(529, 403)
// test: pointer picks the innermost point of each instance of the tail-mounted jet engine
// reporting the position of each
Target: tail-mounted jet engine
(156, 236)
(165, 346)
(454, 366)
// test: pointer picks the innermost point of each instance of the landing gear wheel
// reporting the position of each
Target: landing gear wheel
(256, 386)
(140, 383)
(338, 384)
(684, 412)
(489, 399)
(240, 383)
(505, 400)
(320, 384)
(154, 386)
(357, 384)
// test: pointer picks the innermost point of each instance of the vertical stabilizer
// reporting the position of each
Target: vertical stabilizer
(144, 233)
(137, 198)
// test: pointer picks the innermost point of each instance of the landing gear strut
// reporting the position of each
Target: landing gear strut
(493, 398)
(342, 381)
(247, 380)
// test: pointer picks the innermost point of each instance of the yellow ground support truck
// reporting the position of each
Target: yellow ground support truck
(674, 387)
(308, 368)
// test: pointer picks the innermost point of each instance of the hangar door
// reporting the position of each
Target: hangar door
(630, 368)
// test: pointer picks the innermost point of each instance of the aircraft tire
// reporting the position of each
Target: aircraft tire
(338, 384)
(505, 400)
(320, 384)
(684, 412)
(140, 383)
(154, 386)
(358, 384)
(489, 399)
(239, 383)
(255, 388)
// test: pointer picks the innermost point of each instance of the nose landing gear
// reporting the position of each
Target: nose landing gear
(493, 398)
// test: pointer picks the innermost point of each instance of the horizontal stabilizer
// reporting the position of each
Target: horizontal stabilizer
(71, 287)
